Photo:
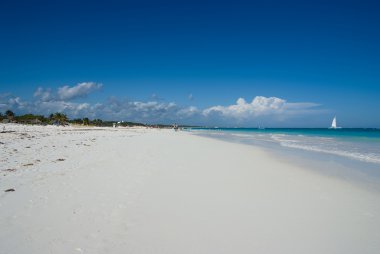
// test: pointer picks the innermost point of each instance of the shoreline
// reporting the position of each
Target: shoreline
(148, 190)
(364, 174)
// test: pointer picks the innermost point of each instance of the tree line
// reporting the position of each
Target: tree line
(57, 118)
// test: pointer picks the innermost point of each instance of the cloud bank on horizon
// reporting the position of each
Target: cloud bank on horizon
(69, 100)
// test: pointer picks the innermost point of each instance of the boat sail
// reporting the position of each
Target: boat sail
(333, 124)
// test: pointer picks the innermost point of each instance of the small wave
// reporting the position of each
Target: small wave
(242, 135)
(370, 157)
(329, 146)
(354, 149)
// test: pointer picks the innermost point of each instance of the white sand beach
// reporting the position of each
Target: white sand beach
(120, 190)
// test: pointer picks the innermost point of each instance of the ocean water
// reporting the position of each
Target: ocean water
(353, 144)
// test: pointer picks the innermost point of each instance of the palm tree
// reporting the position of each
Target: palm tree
(77, 121)
(64, 118)
(86, 121)
(10, 115)
(59, 118)
(97, 122)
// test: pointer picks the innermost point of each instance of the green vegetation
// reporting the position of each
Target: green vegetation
(30, 118)
(10, 115)
(59, 118)
(86, 121)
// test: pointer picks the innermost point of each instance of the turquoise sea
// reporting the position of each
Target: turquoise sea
(354, 144)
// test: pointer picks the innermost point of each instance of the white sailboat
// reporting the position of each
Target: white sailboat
(333, 124)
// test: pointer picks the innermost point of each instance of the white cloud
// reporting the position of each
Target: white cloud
(70, 108)
(151, 111)
(43, 94)
(8, 101)
(4, 97)
(261, 110)
(259, 106)
(80, 90)
(47, 102)
(187, 112)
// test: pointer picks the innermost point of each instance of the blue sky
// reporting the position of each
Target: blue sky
(295, 63)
